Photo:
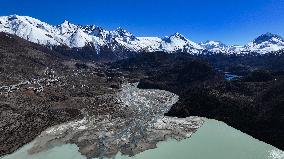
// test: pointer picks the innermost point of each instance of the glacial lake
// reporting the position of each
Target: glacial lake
(230, 77)
(214, 140)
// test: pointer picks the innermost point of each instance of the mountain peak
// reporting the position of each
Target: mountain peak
(267, 37)
(13, 15)
(177, 36)
(27, 19)
(66, 27)
(65, 22)
(265, 43)
(122, 32)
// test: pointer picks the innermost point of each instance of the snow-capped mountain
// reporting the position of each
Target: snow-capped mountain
(214, 46)
(265, 43)
(236, 49)
(78, 36)
(178, 42)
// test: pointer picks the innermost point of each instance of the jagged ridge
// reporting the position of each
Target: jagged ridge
(78, 36)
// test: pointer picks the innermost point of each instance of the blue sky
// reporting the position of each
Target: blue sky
(230, 21)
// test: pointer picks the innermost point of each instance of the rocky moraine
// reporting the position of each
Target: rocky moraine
(137, 125)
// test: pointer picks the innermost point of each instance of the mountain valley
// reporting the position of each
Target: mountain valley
(54, 77)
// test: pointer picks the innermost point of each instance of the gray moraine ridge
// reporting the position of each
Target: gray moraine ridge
(138, 124)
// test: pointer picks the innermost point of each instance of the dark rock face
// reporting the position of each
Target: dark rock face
(253, 104)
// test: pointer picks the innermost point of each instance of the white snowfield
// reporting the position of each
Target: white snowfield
(77, 36)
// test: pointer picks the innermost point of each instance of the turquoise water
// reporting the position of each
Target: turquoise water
(214, 140)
